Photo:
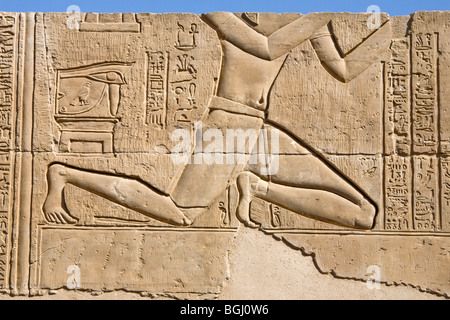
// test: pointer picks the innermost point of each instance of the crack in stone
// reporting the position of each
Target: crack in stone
(333, 273)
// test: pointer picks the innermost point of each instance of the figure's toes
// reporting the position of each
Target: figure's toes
(60, 217)
(252, 225)
(52, 217)
(49, 218)
(65, 218)
(187, 222)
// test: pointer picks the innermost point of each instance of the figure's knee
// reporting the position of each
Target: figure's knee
(366, 218)
(57, 170)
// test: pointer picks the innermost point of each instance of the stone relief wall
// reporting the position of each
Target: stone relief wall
(134, 146)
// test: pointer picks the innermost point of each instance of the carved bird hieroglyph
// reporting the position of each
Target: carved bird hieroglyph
(82, 95)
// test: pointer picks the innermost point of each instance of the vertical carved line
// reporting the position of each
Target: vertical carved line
(8, 52)
(384, 152)
(166, 93)
(147, 86)
(411, 131)
(228, 197)
(24, 237)
(15, 142)
(439, 213)
(17, 154)
(413, 187)
(438, 192)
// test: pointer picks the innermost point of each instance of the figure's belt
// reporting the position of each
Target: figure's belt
(219, 103)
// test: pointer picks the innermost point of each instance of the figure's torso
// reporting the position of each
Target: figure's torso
(245, 78)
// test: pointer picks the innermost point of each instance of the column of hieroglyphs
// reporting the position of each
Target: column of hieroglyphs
(425, 130)
(156, 107)
(398, 138)
(7, 62)
(412, 134)
(182, 91)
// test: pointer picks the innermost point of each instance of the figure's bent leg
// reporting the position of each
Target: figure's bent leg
(248, 186)
(304, 183)
(316, 204)
(201, 182)
(55, 210)
(127, 192)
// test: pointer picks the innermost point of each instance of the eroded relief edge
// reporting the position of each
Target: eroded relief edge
(319, 265)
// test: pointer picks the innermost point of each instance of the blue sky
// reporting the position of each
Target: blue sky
(393, 7)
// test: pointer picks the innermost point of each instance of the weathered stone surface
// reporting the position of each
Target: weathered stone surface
(137, 152)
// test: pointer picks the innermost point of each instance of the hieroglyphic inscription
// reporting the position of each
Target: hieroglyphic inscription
(424, 95)
(7, 56)
(275, 216)
(225, 210)
(445, 193)
(187, 37)
(183, 81)
(6, 80)
(425, 193)
(411, 182)
(425, 130)
(398, 109)
(398, 171)
(156, 109)
(398, 193)
(5, 187)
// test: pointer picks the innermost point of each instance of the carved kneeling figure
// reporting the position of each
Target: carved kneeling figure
(253, 56)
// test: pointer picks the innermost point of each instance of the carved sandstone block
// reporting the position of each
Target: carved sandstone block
(133, 147)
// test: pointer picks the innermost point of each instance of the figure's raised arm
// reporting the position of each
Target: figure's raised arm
(231, 28)
(358, 60)
(295, 33)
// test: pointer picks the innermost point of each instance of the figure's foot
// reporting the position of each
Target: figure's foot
(187, 222)
(367, 219)
(189, 215)
(180, 221)
(53, 205)
(59, 216)
(247, 184)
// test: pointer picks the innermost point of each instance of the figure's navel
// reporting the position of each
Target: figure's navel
(260, 104)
